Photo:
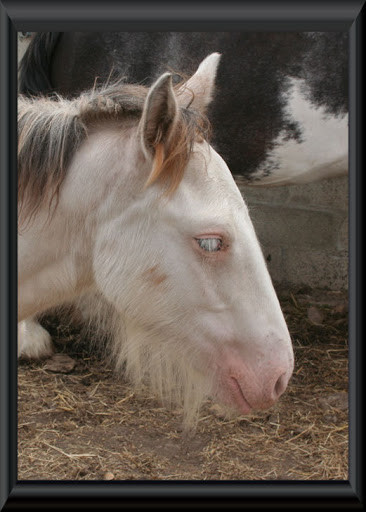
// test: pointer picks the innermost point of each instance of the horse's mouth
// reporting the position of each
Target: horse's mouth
(237, 396)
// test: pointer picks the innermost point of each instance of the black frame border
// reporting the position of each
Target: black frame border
(263, 15)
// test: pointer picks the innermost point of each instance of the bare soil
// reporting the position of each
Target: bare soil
(78, 421)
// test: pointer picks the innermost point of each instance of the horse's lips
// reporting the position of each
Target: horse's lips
(238, 396)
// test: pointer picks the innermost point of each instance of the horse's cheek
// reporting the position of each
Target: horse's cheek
(110, 273)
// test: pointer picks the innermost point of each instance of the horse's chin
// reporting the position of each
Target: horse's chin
(230, 395)
(234, 397)
(237, 397)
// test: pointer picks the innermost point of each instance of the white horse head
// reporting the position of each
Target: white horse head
(159, 228)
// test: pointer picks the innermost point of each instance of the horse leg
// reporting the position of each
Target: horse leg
(34, 342)
(55, 284)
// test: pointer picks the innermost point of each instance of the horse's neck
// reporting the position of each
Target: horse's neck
(54, 263)
(104, 173)
(55, 253)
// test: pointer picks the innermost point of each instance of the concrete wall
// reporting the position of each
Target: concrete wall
(22, 46)
(303, 229)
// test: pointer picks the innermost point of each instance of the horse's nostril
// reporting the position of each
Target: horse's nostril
(280, 386)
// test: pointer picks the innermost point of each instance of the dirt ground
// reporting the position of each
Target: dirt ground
(78, 421)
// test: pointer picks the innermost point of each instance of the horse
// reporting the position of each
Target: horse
(283, 119)
(123, 203)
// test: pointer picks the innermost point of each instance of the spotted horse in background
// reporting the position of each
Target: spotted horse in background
(279, 115)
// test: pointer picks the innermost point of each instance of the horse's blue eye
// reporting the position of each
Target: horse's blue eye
(210, 244)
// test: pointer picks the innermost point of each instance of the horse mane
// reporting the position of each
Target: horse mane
(51, 129)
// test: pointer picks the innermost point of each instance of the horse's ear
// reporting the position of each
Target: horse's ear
(198, 91)
(159, 115)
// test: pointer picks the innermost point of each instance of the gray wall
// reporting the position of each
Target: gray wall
(303, 229)
(22, 46)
